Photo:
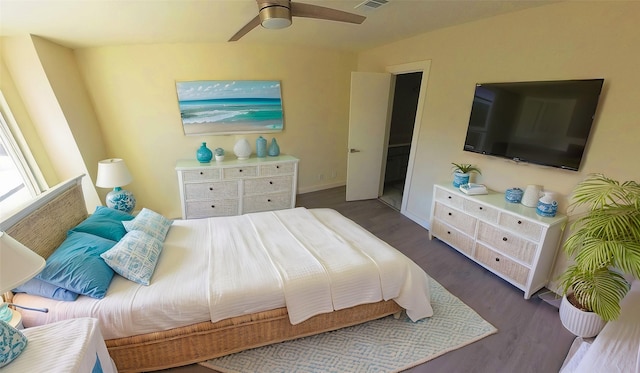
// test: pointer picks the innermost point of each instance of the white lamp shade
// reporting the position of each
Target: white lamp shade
(113, 173)
(18, 264)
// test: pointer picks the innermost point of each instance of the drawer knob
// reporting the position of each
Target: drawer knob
(504, 239)
(201, 173)
(210, 188)
(213, 206)
(271, 182)
(268, 200)
(497, 259)
(449, 197)
(450, 214)
(519, 221)
(480, 207)
(240, 170)
(448, 232)
(277, 166)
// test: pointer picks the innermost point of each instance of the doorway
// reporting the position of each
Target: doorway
(403, 116)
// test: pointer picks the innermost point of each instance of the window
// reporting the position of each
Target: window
(18, 181)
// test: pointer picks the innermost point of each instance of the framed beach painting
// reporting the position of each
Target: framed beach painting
(218, 107)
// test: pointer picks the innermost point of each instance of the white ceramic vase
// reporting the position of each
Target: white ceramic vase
(242, 149)
(581, 323)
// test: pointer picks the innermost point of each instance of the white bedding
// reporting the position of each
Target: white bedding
(71, 346)
(312, 261)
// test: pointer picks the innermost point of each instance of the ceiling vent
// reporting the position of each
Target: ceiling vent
(371, 4)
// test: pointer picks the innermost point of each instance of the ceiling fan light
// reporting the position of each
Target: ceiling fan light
(275, 17)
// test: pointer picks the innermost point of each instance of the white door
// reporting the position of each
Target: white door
(369, 116)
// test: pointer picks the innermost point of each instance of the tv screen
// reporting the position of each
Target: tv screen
(546, 122)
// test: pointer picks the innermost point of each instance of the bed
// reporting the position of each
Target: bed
(180, 318)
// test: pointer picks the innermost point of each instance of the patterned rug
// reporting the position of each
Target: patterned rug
(384, 345)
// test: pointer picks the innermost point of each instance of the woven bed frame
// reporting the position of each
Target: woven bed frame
(43, 226)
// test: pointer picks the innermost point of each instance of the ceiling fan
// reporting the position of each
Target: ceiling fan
(276, 14)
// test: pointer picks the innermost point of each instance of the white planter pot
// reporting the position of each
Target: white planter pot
(582, 324)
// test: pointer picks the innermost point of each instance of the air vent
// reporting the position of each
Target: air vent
(371, 4)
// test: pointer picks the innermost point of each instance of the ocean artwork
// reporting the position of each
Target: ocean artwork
(230, 106)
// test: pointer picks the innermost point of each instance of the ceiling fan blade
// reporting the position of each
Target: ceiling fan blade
(244, 30)
(320, 12)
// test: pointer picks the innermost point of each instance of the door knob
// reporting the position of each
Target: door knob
(354, 150)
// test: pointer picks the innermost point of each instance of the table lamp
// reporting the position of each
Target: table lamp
(113, 173)
(18, 265)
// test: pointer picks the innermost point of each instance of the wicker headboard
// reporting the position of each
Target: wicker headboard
(43, 224)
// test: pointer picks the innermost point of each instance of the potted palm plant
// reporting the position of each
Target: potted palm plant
(605, 245)
(462, 173)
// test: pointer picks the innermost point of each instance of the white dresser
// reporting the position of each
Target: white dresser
(234, 187)
(508, 239)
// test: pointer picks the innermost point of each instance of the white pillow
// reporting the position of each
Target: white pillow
(134, 257)
(150, 222)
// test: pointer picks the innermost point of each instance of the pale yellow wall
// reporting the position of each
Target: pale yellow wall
(134, 95)
(46, 78)
(571, 40)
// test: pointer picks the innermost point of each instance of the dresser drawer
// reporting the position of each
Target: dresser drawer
(277, 169)
(507, 242)
(448, 198)
(205, 209)
(502, 264)
(453, 237)
(481, 211)
(276, 201)
(239, 172)
(219, 190)
(526, 228)
(265, 185)
(204, 174)
(455, 218)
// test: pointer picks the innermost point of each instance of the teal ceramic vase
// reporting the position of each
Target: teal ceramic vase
(274, 148)
(204, 154)
(261, 147)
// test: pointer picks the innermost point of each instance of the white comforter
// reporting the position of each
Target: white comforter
(311, 261)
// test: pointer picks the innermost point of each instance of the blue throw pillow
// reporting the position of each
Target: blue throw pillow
(134, 257)
(105, 222)
(76, 265)
(151, 223)
(36, 286)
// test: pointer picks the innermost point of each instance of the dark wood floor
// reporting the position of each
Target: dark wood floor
(530, 336)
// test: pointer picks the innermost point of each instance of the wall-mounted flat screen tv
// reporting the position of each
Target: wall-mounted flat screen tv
(545, 122)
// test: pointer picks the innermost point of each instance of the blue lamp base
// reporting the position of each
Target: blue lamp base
(121, 199)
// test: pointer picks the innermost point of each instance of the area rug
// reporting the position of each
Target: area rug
(384, 345)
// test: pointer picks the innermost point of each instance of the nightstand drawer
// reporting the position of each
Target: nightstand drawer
(239, 172)
(455, 218)
(481, 211)
(449, 198)
(266, 202)
(265, 185)
(453, 237)
(205, 209)
(502, 264)
(204, 174)
(507, 242)
(219, 190)
(526, 228)
(277, 169)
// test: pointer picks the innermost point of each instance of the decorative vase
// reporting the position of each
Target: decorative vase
(242, 149)
(204, 154)
(581, 323)
(261, 147)
(274, 148)
(459, 179)
(513, 195)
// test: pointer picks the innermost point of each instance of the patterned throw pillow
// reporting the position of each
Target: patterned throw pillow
(151, 223)
(134, 257)
(12, 342)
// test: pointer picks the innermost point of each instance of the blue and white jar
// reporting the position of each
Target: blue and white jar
(460, 179)
(513, 195)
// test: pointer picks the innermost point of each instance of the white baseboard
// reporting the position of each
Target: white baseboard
(315, 188)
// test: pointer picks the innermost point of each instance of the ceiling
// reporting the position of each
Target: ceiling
(94, 23)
